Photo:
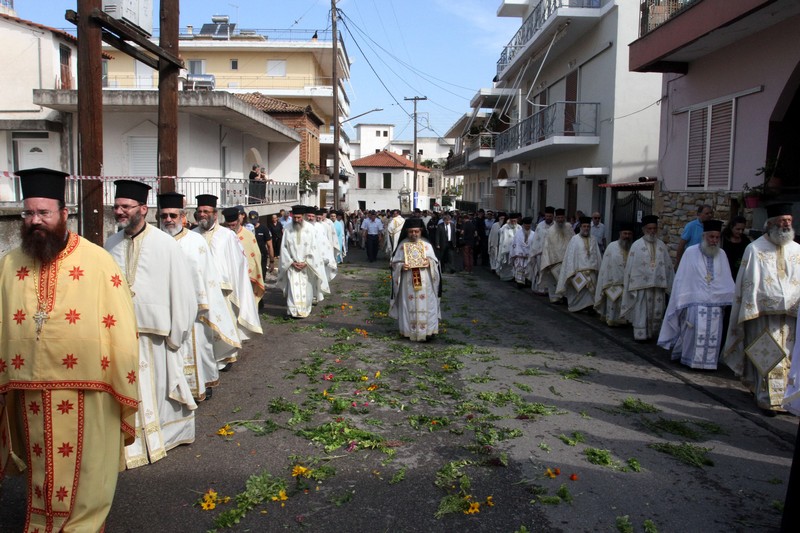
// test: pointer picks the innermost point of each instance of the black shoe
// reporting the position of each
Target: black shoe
(768, 412)
(209, 393)
(226, 368)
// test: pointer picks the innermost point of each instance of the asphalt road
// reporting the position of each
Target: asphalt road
(552, 417)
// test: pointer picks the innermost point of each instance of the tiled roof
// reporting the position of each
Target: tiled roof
(64, 35)
(386, 159)
(269, 105)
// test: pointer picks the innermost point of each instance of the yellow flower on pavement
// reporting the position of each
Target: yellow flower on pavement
(208, 506)
(474, 508)
(300, 471)
(280, 497)
(490, 501)
(377, 374)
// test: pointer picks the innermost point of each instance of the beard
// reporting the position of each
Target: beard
(709, 250)
(134, 219)
(584, 234)
(649, 238)
(565, 229)
(205, 224)
(44, 244)
(780, 236)
(625, 244)
(172, 230)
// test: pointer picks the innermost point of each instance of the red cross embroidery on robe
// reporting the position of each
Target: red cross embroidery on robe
(132, 376)
(65, 407)
(69, 361)
(63, 492)
(37, 451)
(116, 281)
(76, 273)
(109, 321)
(105, 362)
(19, 316)
(73, 316)
(18, 361)
(34, 407)
(23, 273)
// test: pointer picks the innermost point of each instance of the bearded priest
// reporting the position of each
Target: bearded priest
(578, 275)
(416, 283)
(553, 249)
(608, 295)
(703, 286)
(761, 335)
(647, 282)
(166, 308)
(69, 365)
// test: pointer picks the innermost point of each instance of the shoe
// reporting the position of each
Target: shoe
(769, 413)
(209, 393)
(226, 368)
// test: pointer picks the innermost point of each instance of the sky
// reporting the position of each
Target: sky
(445, 50)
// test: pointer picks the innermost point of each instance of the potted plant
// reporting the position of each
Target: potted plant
(751, 196)
(770, 171)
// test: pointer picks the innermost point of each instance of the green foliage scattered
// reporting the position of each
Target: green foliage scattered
(544, 447)
(624, 524)
(634, 465)
(577, 372)
(680, 428)
(635, 405)
(531, 372)
(686, 453)
(259, 488)
(599, 457)
(577, 437)
(649, 526)
(398, 476)
(564, 493)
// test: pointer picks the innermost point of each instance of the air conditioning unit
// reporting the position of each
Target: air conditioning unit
(137, 13)
(200, 82)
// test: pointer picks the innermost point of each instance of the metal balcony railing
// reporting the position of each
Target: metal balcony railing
(230, 191)
(654, 13)
(570, 119)
(535, 21)
(483, 141)
(224, 81)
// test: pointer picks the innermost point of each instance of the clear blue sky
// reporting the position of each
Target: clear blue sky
(443, 49)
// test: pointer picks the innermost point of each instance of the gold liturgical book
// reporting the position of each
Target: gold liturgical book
(415, 255)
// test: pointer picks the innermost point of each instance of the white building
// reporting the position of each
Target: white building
(564, 118)
(383, 180)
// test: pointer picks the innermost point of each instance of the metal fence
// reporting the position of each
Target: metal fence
(230, 191)
(654, 13)
(576, 119)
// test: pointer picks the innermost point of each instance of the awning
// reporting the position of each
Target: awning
(345, 167)
(588, 172)
(630, 186)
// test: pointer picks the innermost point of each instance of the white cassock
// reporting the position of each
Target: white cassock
(577, 278)
(416, 308)
(300, 286)
(393, 229)
(333, 238)
(539, 236)
(494, 245)
(231, 264)
(648, 280)
(608, 294)
(521, 253)
(165, 307)
(214, 339)
(692, 326)
(326, 253)
(764, 322)
(505, 266)
(555, 246)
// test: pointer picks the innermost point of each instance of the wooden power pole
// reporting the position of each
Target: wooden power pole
(90, 120)
(168, 95)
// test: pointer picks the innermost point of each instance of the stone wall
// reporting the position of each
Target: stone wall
(678, 208)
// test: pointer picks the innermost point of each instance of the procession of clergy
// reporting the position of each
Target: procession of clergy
(634, 282)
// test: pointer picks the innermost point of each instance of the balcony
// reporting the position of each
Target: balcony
(558, 127)
(674, 33)
(568, 20)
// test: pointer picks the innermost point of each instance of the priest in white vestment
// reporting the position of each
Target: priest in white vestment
(703, 287)
(165, 308)
(647, 282)
(761, 335)
(214, 337)
(331, 269)
(521, 251)
(505, 264)
(301, 272)
(232, 220)
(393, 229)
(608, 294)
(539, 236)
(231, 265)
(577, 279)
(555, 245)
(416, 283)
(494, 241)
(330, 230)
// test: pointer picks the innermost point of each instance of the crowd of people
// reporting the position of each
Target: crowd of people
(106, 354)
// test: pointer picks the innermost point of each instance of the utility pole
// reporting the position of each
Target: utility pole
(336, 126)
(90, 120)
(414, 188)
(168, 96)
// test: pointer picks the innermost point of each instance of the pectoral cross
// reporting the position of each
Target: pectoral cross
(40, 317)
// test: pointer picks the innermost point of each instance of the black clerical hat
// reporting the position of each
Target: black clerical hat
(560, 212)
(133, 190)
(712, 225)
(626, 226)
(231, 214)
(298, 209)
(649, 219)
(527, 220)
(42, 183)
(778, 210)
(585, 220)
(549, 210)
(206, 199)
(170, 200)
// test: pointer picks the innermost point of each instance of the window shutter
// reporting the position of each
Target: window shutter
(696, 162)
(143, 156)
(720, 146)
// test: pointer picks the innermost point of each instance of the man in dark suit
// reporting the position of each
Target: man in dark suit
(446, 239)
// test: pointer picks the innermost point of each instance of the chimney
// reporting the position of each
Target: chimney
(189, 29)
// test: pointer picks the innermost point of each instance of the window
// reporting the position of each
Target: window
(197, 66)
(276, 67)
(385, 133)
(104, 66)
(234, 64)
(387, 180)
(708, 164)
(377, 133)
(66, 68)
(406, 152)
(362, 180)
(430, 183)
